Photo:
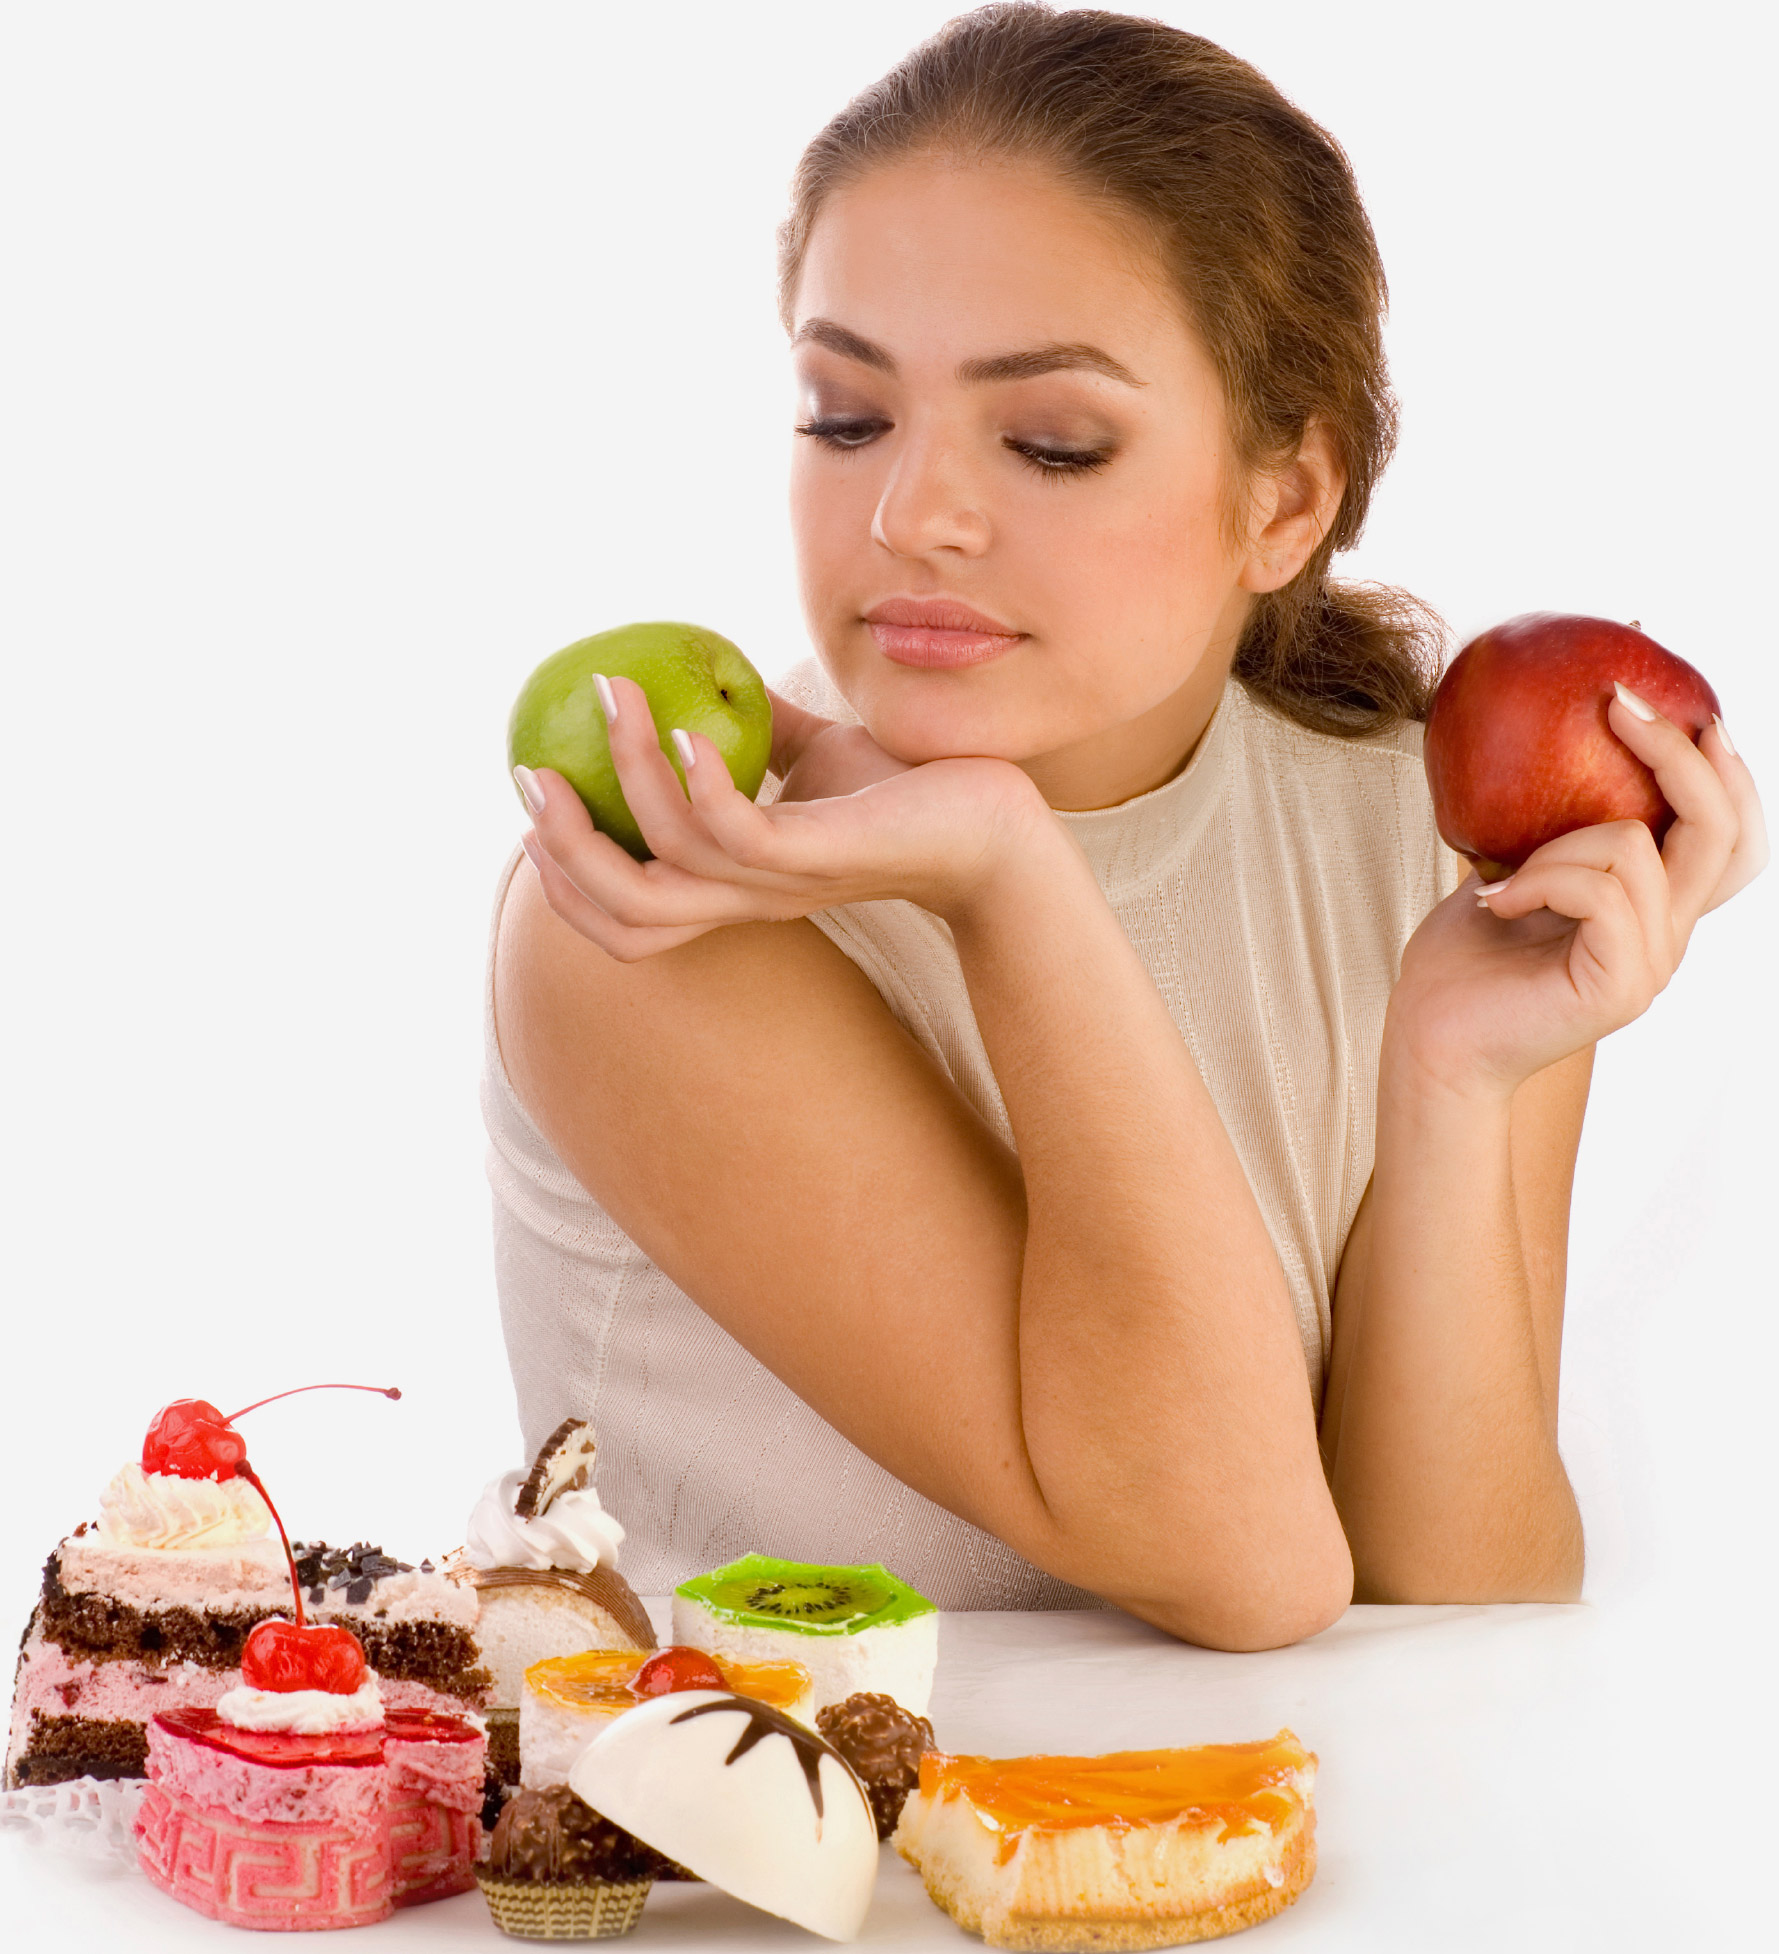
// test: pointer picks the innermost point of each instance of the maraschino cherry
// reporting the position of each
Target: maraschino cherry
(674, 1669)
(191, 1439)
(284, 1656)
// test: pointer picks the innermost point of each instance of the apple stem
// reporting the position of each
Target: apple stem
(245, 1471)
(1636, 624)
(382, 1390)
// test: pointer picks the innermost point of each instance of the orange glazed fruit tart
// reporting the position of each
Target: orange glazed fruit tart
(1141, 1848)
(569, 1699)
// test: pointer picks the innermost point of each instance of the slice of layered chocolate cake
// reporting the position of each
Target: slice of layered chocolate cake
(148, 1610)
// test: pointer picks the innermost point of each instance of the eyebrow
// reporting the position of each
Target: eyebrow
(1056, 358)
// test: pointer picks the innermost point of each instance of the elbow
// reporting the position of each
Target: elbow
(1266, 1606)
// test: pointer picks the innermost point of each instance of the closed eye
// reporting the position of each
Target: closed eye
(1058, 461)
(844, 431)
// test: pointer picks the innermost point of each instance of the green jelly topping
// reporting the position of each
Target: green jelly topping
(760, 1592)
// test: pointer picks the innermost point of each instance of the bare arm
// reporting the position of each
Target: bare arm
(1087, 1350)
(1440, 1421)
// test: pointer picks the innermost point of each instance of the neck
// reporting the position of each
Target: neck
(1123, 761)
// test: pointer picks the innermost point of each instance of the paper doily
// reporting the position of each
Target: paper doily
(92, 1816)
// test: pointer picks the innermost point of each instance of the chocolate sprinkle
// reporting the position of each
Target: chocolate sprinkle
(357, 1569)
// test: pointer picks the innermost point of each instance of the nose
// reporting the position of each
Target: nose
(929, 504)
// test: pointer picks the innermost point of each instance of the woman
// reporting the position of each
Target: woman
(1038, 1148)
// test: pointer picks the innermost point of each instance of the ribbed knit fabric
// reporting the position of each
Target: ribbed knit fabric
(1269, 889)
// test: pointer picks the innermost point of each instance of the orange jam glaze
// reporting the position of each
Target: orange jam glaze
(1236, 1787)
(600, 1680)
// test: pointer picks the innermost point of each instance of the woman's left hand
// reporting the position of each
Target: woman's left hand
(1497, 984)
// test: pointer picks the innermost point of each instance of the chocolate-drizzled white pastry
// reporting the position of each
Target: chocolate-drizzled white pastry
(744, 1796)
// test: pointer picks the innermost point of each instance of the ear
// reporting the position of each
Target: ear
(1293, 508)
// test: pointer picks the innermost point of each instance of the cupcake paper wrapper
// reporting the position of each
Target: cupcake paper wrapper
(543, 1910)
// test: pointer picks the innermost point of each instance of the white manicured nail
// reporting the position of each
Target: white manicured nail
(1493, 888)
(608, 699)
(682, 745)
(534, 794)
(1630, 701)
(1723, 733)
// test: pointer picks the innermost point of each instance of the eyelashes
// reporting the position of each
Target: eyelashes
(845, 434)
(1058, 461)
(842, 432)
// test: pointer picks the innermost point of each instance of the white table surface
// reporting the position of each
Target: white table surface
(1478, 1789)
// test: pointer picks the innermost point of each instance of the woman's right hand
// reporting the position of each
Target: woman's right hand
(853, 824)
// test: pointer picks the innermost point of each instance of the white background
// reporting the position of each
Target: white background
(355, 357)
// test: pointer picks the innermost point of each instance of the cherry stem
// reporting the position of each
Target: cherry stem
(245, 1471)
(382, 1390)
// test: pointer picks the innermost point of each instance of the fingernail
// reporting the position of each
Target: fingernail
(682, 742)
(1630, 701)
(534, 794)
(1723, 733)
(1493, 888)
(608, 699)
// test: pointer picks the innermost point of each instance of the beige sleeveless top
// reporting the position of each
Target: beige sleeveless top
(1269, 888)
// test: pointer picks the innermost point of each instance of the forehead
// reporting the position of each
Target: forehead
(941, 260)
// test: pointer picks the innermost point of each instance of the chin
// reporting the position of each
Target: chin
(976, 713)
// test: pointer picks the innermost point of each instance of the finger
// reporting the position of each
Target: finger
(634, 894)
(1625, 849)
(646, 776)
(1751, 853)
(770, 848)
(628, 945)
(655, 792)
(1608, 956)
(1699, 844)
(792, 730)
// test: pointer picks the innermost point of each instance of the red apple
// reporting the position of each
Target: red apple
(1518, 747)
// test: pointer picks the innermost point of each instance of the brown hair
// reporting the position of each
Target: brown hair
(1256, 215)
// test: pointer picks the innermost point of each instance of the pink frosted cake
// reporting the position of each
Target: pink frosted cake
(284, 1830)
(263, 1829)
(299, 1802)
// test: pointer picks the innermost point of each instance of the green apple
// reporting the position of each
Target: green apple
(692, 679)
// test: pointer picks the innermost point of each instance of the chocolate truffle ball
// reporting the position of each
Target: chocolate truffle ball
(553, 1835)
(883, 1743)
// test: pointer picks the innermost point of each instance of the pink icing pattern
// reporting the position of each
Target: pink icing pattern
(435, 1815)
(307, 1845)
(278, 1877)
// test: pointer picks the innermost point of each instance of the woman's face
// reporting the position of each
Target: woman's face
(1011, 481)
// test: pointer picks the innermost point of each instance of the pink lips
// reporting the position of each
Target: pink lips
(937, 632)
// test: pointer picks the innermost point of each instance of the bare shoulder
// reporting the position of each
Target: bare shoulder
(751, 1114)
(732, 1020)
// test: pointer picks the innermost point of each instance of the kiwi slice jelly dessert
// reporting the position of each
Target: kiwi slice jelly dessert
(758, 1591)
(852, 1628)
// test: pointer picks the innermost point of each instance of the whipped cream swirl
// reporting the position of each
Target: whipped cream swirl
(303, 1712)
(159, 1509)
(576, 1533)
